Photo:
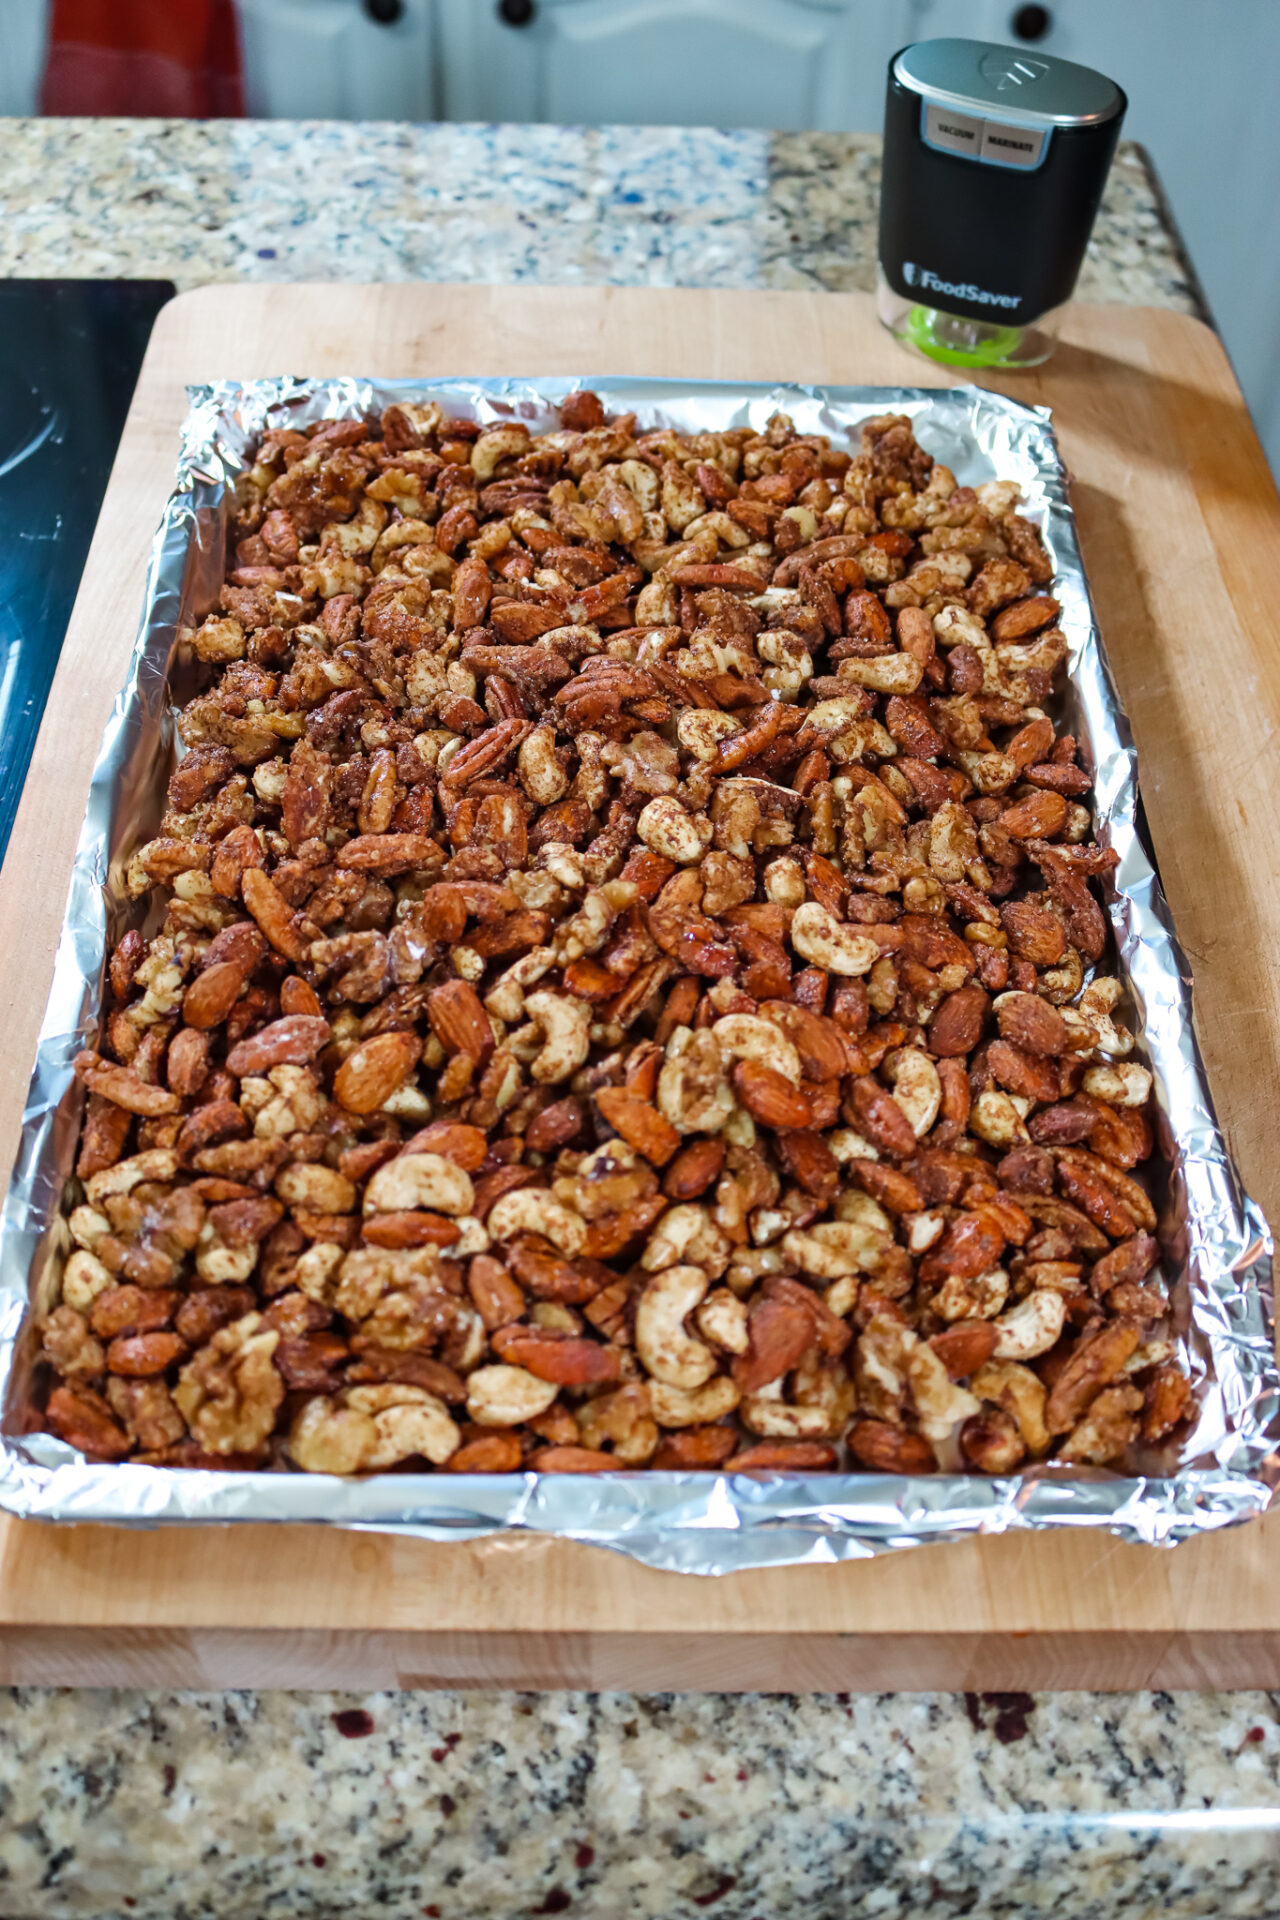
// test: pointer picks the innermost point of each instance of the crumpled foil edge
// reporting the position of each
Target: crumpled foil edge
(1218, 1249)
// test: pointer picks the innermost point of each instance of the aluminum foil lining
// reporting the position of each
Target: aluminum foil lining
(1217, 1247)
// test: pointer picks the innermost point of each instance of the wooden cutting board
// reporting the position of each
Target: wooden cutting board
(1181, 531)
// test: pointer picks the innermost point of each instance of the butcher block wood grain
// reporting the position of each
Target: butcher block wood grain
(1181, 533)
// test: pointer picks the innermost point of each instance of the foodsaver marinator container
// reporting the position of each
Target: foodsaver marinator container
(994, 164)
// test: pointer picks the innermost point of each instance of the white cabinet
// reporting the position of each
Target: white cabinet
(727, 63)
(332, 60)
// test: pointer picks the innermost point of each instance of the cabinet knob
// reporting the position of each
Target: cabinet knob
(516, 13)
(1032, 23)
(384, 12)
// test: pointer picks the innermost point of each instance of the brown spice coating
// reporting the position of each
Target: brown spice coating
(622, 996)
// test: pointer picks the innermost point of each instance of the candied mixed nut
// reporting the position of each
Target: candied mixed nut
(628, 992)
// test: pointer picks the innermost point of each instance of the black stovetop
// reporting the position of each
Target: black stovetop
(70, 351)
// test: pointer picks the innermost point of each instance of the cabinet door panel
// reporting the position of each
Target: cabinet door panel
(730, 63)
(327, 60)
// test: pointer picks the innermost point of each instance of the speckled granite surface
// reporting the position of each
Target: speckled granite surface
(163, 1806)
(618, 1807)
(653, 206)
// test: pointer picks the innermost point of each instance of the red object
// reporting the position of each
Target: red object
(143, 57)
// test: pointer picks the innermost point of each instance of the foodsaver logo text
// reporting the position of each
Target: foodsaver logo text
(928, 282)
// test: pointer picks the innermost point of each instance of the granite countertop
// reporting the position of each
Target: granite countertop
(627, 206)
(164, 1806)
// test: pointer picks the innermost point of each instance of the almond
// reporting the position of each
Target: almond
(368, 1077)
(140, 1354)
(568, 1361)
(297, 997)
(212, 994)
(810, 1162)
(465, 1146)
(1034, 933)
(818, 1041)
(410, 1230)
(881, 1118)
(1031, 1023)
(782, 1456)
(956, 1027)
(965, 1347)
(694, 1169)
(498, 1300)
(888, 1449)
(458, 1020)
(1029, 1074)
(491, 1453)
(695, 1447)
(1023, 617)
(1038, 817)
(291, 1041)
(769, 1097)
(781, 1333)
(639, 1123)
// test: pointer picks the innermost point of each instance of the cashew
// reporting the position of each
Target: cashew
(157, 1163)
(924, 1230)
(693, 1091)
(220, 1265)
(784, 881)
(315, 1272)
(503, 1396)
(995, 1119)
(848, 1145)
(819, 937)
(744, 1036)
(319, 1189)
(83, 1278)
(864, 1212)
(668, 829)
(884, 672)
(832, 1248)
(701, 729)
(495, 444)
(880, 1366)
(687, 1234)
(669, 1352)
(88, 1226)
(1128, 1085)
(847, 733)
(542, 775)
(406, 1420)
(1096, 1003)
(419, 1180)
(1020, 1392)
(978, 1299)
(505, 999)
(566, 1024)
(765, 1414)
(532, 1210)
(940, 1403)
(677, 1407)
(327, 1437)
(1062, 982)
(722, 1319)
(1032, 1327)
(916, 1087)
(956, 625)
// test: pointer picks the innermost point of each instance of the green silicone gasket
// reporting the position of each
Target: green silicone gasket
(993, 352)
